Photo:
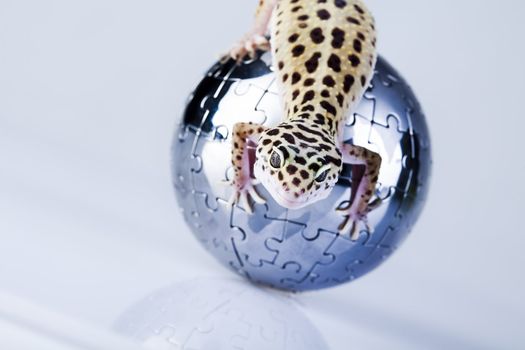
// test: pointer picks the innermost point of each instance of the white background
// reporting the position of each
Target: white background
(90, 92)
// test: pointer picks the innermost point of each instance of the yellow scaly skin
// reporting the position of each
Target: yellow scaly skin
(324, 52)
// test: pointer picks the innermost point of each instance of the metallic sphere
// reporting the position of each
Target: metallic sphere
(298, 249)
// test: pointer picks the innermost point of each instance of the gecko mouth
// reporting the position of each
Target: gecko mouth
(287, 202)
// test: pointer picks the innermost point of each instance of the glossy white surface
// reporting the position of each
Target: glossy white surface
(89, 96)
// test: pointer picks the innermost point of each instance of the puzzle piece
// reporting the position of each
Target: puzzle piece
(271, 274)
(310, 251)
(260, 229)
(271, 105)
(358, 133)
(345, 252)
(229, 110)
(365, 110)
(391, 104)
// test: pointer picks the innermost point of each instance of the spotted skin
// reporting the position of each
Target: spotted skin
(324, 52)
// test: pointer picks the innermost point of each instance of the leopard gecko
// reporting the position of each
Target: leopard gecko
(324, 52)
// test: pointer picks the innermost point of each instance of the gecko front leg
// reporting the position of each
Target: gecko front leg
(363, 186)
(243, 184)
(255, 39)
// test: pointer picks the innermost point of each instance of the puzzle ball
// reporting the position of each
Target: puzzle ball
(297, 249)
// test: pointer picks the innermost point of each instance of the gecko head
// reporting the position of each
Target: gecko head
(297, 163)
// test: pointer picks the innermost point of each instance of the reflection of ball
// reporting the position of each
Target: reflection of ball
(297, 249)
(218, 314)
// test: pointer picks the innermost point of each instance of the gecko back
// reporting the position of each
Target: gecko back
(325, 54)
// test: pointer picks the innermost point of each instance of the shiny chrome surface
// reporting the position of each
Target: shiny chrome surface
(298, 249)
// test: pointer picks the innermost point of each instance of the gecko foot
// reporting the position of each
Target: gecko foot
(242, 196)
(247, 47)
(352, 221)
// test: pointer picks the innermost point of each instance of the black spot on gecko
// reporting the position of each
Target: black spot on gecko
(295, 94)
(325, 93)
(313, 62)
(289, 138)
(358, 47)
(314, 132)
(329, 81)
(360, 35)
(280, 64)
(266, 142)
(340, 99)
(329, 107)
(354, 60)
(311, 154)
(308, 96)
(298, 50)
(305, 138)
(335, 161)
(296, 8)
(300, 160)
(303, 17)
(314, 167)
(334, 62)
(340, 3)
(353, 20)
(304, 115)
(317, 35)
(273, 132)
(304, 174)
(291, 169)
(296, 181)
(295, 77)
(308, 108)
(348, 82)
(293, 38)
(309, 82)
(338, 38)
(319, 119)
(359, 9)
(323, 14)
(363, 80)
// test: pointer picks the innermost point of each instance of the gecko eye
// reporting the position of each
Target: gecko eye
(276, 158)
(322, 173)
